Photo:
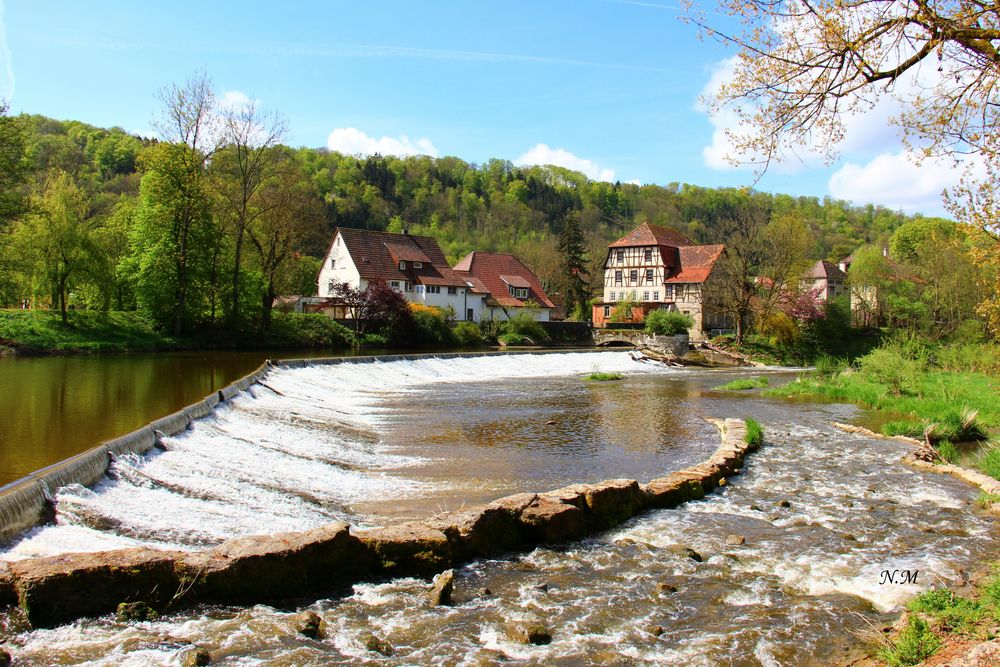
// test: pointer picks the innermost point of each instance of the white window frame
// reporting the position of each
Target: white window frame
(402, 265)
(633, 277)
(620, 256)
(418, 265)
(607, 312)
(333, 263)
(433, 289)
(647, 255)
(656, 296)
(522, 293)
(618, 276)
(645, 296)
(612, 296)
(649, 276)
(452, 289)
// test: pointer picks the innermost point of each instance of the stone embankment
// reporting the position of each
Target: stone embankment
(268, 568)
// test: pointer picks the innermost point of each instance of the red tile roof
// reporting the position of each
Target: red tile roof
(492, 269)
(516, 281)
(825, 269)
(647, 234)
(377, 255)
(697, 262)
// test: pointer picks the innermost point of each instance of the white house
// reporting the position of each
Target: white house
(415, 265)
(506, 286)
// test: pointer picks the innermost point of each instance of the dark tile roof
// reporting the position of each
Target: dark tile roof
(825, 270)
(491, 269)
(377, 255)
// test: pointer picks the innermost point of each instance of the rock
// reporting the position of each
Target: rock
(755, 508)
(534, 633)
(546, 520)
(722, 481)
(672, 490)
(8, 591)
(199, 657)
(663, 588)
(485, 593)
(551, 422)
(785, 504)
(485, 530)
(542, 587)
(656, 630)
(263, 567)
(309, 624)
(135, 611)
(63, 588)
(5, 658)
(408, 548)
(441, 590)
(687, 552)
(736, 540)
(376, 645)
(983, 654)
(613, 501)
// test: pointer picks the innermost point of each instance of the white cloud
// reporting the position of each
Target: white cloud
(352, 141)
(895, 180)
(234, 99)
(541, 154)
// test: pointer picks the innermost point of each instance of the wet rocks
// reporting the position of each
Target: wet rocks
(665, 589)
(546, 520)
(784, 504)
(376, 645)
(656, 630)
(531, 633)
(408, 548)
(484, 531)
(670, 491)
(58, 589)
(199, 657)
(309, 624)
(135, 611)
(687, 552)
(5, 658)
(441, 590)
(736, 540)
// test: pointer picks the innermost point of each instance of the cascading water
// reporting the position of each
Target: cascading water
(824, 516)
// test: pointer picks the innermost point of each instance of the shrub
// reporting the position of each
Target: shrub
(948, 451)
(668, 323)
(755, 433)
(953, 611)
(601, 376)
(892, 368)
(989, 461)
(468, 334)
(745, 383)
(430, 326)
(524, 325)
(915, 643)
(513, 339)
(827, 365)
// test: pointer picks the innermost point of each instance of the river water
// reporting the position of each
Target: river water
(823, 515)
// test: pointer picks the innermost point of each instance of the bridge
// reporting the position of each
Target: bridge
(637, 338)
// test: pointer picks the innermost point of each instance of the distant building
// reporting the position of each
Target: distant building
(414, 265)
(505, 285)
(659, 268)
(826, 280)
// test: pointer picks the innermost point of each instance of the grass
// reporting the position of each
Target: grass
(755, 433)
(745, 383)
(601, 376)
(118, 331)
(989, 461)
(915, 643)
(984, 499)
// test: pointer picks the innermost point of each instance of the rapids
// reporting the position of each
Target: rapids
(824, 514)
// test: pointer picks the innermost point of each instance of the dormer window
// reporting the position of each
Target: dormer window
(517, 292)
(418, 265)
(402, 265)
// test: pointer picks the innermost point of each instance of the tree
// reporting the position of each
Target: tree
(870, 279)
(12, 167)
(573, 254)
(247, 160)
(377, 306)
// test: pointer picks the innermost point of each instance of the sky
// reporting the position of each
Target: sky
(607, 87)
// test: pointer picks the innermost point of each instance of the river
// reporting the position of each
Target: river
(823, 514)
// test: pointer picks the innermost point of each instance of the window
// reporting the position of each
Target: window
(394, 284)
(329, 287)
(418, 265)
(633, 276)
(618, 277)
(647, 256)
(433, 289)
(649, 275)
(607, 311)
(633, 295)
(522, 293)
(402, 265)
(645, 296)
(452, 290)
(612, 296)
(620, 256)
(420, 289)
(470, 314)
(333, 263)
(656, 296)
(407, 286)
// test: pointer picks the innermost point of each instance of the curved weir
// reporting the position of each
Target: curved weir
(822, 515)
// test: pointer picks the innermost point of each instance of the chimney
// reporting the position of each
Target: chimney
(406, 232)
(885, 251)
(842, 266)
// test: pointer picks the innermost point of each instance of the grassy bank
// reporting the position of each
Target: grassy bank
(40, 331)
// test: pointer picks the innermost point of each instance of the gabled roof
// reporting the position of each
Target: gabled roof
(825, 270)
(697, 262)
(377, 255)
(495, 271)
(647, 234)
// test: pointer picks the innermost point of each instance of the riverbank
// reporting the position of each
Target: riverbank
(43, 332)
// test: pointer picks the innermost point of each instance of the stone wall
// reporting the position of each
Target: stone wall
(267, 568)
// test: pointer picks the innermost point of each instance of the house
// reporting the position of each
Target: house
(826, 280)
(656, 267)
(506, 285)
(414, 265)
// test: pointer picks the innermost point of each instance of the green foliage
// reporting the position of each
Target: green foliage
(915, 644)
(668, 322)
(431, 327)
(911, 428)
(512, 338)
(755, 432)
(622, 312)
(603, 376)
(989, 461)
(827, 365)
(947, 451)
(468, 334)
(524, 326)
(893, 367)
(745, 383)
(307, 330)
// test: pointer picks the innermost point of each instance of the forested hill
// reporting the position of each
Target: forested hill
(495, 206)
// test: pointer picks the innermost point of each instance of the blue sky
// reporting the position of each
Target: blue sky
(609, 87)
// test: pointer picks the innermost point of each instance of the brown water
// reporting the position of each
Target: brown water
(383, 442)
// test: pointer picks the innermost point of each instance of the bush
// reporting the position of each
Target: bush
(524, 325)
(908, 427)
(431, 326)
(468, 334)
(827, 365)
(668, 323)
(915, 643)
(890, 366)
(514, 339)
(989, 461)
(603, 376)
(947, 451)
